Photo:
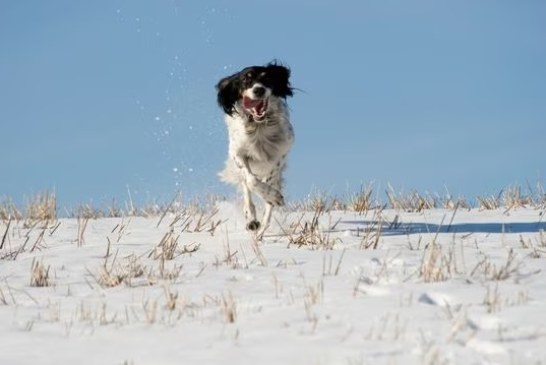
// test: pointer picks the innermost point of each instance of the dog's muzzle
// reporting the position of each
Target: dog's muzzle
(255, 107)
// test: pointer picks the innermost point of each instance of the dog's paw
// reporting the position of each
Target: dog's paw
(253, 225)
(268, 193)
(276, 199)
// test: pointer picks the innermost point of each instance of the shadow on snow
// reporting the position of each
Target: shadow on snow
(420, 227)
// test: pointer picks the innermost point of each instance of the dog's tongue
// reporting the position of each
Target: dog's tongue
(256, 107)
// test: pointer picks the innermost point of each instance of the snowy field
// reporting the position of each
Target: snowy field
(382, 287)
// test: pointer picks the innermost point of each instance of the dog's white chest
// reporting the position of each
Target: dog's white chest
(268, 143)
(260, 142)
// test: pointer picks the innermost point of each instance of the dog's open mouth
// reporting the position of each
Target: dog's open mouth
(256, 107)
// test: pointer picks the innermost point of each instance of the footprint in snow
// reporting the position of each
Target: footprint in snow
(437, 298)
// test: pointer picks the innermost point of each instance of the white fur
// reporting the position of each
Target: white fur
(257, 157)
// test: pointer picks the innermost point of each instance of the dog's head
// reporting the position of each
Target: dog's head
(252, 88)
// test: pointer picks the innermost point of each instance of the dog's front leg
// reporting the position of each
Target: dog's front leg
(268, 193)
(249, 208)
(265, 221)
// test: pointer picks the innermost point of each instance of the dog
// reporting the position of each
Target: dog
(260, 136)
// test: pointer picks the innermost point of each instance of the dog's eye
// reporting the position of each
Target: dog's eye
(248, 76)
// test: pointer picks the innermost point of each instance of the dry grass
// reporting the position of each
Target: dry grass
(169, 247)
(362, 201)
(371, 234)
(513, 197)
(3, 299)
(229, 308)
(497, 272)
(318, 200)
(432, 265)
(255, 245)
(88, 211)
(438, 265)
(199, 215)
(5, 235)
(82, 226)
(309, 233)
(536, 246)
(204, 221)
(42, 207)
(165, 273)
(115, 274)
(494, 301)
(149, 209)
(171, 298)
(412, 202)
(489, 202)
(9, 211)
(39, 274)
(313, 295)
(327, 268)
(449, 202)
(540, 194)
(195, 221)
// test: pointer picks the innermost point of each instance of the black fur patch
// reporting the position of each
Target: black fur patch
(273, 76)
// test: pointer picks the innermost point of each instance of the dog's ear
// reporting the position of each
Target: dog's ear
(228, 93)
(280, 76)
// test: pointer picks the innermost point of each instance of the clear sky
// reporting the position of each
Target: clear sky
(98, 97)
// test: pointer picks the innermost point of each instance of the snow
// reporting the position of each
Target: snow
(228, 300)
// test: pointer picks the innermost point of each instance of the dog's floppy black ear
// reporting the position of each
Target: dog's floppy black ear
(280, 77)
(228, 93)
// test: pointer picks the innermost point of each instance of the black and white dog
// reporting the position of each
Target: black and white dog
(260, 136)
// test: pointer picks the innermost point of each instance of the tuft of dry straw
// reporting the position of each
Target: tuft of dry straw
(9, 211)
(309, 233)
(371, 234)
(362, 202)
(488, 202)
(318, 201)
(437, 265)
(169, 247)
(412, 202)
(42, 207)
(39, 274)
(229, 308)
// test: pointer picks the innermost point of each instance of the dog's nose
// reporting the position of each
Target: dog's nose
(259, 91)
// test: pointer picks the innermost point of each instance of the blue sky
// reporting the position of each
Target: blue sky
(100, 97)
